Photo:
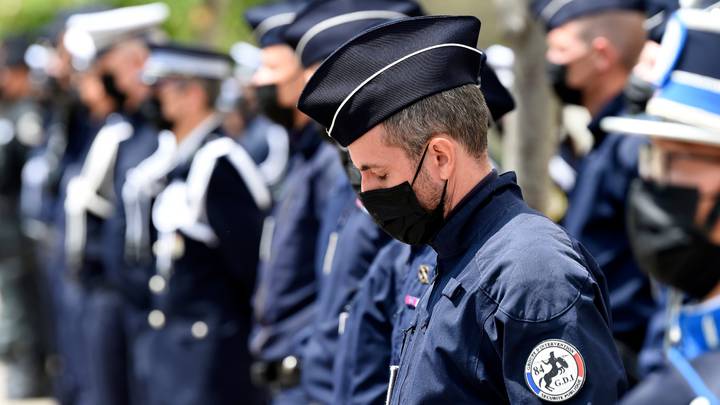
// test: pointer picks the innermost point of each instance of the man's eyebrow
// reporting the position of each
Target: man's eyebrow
(364, 168)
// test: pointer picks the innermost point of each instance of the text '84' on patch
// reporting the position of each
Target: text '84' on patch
(555, 370)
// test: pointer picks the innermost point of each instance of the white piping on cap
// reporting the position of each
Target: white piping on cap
(376, 74)
(275, 21)
(343, 19)
(552, 8)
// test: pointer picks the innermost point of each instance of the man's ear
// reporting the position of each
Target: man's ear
(607, 54)
(443, 155)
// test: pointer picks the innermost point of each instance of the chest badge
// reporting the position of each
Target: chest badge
(555, 370)
(424, 274)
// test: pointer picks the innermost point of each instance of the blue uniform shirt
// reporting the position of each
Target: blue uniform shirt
(286, 290)
(415, 273)
(381, 310)
(351, 242)
(596, 217)
(692, 368)
(517, 312)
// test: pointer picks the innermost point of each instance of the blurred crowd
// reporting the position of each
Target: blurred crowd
(175, 230)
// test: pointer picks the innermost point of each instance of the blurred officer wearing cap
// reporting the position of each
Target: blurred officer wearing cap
(384, 305)
(287, 286)
(592, 48)
(206, 224)
(21, 334)
(674, 209)
(109, 45)
(410, 112)
(266, 141)
(349, 239)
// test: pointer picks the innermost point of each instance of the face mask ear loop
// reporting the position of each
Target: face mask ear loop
(675, 301)
(713, 216)
(417, 171)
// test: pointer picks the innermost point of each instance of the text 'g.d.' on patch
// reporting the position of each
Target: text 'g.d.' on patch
(555, 370)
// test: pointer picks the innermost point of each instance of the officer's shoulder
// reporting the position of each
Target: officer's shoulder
(222, 160)
(531, 269)
(667, 386)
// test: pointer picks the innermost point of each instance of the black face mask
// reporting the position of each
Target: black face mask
(637, 92)
(558, 79)
(667, 243)
(399, 213)
(113, 91)
(268, 100)
(151, 112)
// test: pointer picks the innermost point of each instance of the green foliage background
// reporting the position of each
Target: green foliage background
(219, 23)
(214, 22)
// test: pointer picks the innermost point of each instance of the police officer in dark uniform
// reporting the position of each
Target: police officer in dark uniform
(379, 313)
(385, 303)
(74, 267)
(266, 141)
(287, 287)
(530, 298)
(592, 48)
(92, 200)
(21, 320)
(674, 208)
(206, 223)
(349, 239)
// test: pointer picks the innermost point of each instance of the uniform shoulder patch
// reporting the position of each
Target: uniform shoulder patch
(555, 370)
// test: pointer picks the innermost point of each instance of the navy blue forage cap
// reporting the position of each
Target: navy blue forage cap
(388, 68)
(270, 20)
(183, 61)
(497, 97)
(323, 26)
(554, 13)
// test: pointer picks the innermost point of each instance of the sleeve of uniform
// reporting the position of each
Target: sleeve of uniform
(551, 331)
(362, 371)
(236, 220)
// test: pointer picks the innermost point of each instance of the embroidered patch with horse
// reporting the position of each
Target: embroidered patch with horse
(555, 370)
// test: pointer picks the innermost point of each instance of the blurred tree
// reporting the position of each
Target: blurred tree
(528, 142)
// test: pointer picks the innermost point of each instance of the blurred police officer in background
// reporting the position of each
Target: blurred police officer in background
(266, 141)
(22, 337)
(114, 39)
(348, 239)
(592, 48)
(287, 286)
(206, 224)
(506, 276)
(674, 207)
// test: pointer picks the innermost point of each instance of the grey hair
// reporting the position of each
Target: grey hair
(460, 112)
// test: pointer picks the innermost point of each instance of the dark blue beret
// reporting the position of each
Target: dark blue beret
(554, 13)
(388, 68)
(269, 21)
(323, 26)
